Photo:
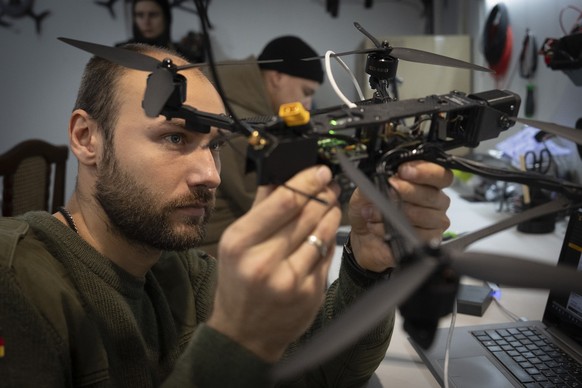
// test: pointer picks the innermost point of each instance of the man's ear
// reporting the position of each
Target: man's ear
(85, 137)
(274, 79)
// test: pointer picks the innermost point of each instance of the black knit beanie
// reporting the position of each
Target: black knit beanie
(292, 49)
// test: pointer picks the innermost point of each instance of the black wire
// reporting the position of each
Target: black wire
(432, 153)
(203, 15)
(529, 178)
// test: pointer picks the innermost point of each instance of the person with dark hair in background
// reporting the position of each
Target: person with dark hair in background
(255, 90)
(111, 291)
(151, 23)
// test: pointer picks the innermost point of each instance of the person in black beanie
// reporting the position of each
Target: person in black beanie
(255, 88)
(298, 80)
(151, 23)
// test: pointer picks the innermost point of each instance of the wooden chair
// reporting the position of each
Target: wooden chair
(26, 171)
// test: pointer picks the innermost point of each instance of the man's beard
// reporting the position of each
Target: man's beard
(140, 217)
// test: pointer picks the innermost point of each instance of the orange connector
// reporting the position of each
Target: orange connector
(294, 114)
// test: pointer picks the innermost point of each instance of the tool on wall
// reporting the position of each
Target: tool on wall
(528, 63)
(498, 41)
(565, 53)
(16, 9)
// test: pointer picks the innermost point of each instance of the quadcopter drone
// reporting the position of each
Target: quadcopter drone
(366, 144)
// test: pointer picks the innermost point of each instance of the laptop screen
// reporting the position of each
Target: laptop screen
(564, 312)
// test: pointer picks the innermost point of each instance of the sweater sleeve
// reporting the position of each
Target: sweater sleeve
(210, 359)
(213, 360)
(354, 366)
(33, 354)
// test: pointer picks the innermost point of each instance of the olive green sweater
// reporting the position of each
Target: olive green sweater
(69, 317)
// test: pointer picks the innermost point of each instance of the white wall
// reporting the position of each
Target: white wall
(39, 75)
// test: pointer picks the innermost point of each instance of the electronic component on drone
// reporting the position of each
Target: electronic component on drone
(368, 133)
(565, 54)
(373, 137)
(294, 114)
(277, 157)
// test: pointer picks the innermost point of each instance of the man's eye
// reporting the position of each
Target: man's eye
(217, 144)
(175, 138)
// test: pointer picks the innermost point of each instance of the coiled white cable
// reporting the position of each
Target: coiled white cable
(334, 85)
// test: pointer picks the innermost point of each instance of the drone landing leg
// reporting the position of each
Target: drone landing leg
(434, 300)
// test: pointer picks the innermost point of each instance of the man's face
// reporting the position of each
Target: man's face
(149, 18)
(157, 184)
(294, 89)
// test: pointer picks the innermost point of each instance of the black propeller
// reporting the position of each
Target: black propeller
(126, 58)
(512, 271)
(425, 270)
(360, 318)
(160, 84)
(160, 87)
(164, 79)
(462, 242)
(554, 129)
(382, 64)
(385, 50)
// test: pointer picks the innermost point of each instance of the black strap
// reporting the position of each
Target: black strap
(366, 276)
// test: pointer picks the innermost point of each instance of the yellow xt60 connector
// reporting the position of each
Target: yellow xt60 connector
(294, 114)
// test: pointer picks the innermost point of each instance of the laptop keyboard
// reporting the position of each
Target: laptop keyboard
(531, 357)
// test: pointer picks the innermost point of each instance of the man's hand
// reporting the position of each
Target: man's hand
(419, 185)
(271, 281)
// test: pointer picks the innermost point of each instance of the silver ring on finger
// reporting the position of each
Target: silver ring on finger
(317, 243)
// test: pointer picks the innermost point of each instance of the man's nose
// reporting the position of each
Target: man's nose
(204, 169)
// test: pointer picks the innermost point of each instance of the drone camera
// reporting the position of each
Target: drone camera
(466, 120)
(488, 123)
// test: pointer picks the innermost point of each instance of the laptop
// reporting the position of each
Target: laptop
(477, 353)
